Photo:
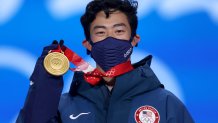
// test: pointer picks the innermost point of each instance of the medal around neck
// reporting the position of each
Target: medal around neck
(56, 63)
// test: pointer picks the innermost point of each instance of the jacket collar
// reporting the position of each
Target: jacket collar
(140, 80)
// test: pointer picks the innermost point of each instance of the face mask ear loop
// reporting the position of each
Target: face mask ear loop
(131, 40)
(87, 51)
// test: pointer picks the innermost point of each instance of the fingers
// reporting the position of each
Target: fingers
(55, 42)
(50, 47)
(53, 46)
(61, 43)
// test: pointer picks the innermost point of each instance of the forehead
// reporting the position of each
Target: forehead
(114, 18)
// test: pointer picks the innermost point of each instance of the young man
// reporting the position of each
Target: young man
(125, 93)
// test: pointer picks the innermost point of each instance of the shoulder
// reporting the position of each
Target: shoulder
(172, 99)
(159, 97)
(176, 109)
(162, 97)
(169, 97)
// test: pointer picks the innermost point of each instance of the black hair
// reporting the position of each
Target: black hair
(128, 7)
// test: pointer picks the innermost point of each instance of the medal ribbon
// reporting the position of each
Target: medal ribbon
(93, 76)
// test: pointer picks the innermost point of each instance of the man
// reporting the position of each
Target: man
(122, 93)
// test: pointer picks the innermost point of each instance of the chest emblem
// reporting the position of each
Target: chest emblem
(147, 114)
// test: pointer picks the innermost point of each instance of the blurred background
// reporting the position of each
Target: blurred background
(182, 35)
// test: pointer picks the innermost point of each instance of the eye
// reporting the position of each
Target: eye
(120, 32)
(100, 33)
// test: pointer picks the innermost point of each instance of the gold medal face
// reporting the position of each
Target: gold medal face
(56, 63)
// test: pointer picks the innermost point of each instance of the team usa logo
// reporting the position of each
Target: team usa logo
(147, 114)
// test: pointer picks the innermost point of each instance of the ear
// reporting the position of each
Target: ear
(135, 40)
(87, 45)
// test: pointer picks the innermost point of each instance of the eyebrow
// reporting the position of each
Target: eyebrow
(119, 24)
(97, 27)
(103, 27)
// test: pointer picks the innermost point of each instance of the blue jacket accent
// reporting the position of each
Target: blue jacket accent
(96, 104)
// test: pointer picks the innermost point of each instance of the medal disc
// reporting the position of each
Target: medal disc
(56, 63)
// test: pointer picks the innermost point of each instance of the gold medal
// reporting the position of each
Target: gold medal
(56, 63)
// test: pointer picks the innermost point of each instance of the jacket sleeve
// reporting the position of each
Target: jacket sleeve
(176, 111)
(41, 104)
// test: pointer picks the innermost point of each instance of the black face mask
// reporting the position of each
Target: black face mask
(111, 52)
